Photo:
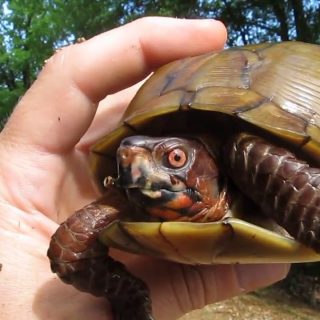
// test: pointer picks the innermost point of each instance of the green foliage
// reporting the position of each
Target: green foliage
(266, 20)
(30, 30)
(178, 8)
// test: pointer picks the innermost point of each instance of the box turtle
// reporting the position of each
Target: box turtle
(216, 160)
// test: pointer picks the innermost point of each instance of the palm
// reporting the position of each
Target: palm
(57, 185)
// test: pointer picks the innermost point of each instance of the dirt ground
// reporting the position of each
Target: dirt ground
(267, 304)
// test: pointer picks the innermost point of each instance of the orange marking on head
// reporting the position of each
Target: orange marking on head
(179, 202)
(167, 214)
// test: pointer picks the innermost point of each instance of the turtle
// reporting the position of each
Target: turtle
(216, 160)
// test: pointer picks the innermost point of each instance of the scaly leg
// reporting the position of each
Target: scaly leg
(79, 259)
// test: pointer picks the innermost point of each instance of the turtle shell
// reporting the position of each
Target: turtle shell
(272, 90)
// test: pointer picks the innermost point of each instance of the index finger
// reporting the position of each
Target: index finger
(59, 107)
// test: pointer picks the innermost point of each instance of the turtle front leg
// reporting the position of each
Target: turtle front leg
(284, 187)
(79, 259)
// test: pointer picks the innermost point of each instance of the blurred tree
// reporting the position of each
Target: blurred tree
(30, 30)
(256, 21)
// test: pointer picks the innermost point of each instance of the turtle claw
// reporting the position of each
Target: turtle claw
(109, 182)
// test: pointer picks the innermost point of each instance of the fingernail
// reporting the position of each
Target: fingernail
(251, 277)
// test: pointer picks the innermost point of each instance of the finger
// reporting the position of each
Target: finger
(59, 107)
(185, 288)
(195, 287)
(111, 109)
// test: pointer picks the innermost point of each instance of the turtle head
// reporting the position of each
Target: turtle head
(171, 178)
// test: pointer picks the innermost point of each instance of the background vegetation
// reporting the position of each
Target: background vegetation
(30, 31)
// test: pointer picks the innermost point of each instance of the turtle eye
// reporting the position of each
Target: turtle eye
(176, 158)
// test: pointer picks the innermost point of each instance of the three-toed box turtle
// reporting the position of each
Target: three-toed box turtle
(217, 159)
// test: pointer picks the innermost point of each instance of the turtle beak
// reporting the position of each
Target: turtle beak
(133, 162)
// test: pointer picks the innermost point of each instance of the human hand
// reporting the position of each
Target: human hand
(44, 175)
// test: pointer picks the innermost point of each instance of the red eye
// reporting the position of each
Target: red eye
(177, 158)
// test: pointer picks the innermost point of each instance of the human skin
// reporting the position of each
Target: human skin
(80, 95)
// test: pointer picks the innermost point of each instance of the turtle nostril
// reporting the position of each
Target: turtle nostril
(124, 156)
